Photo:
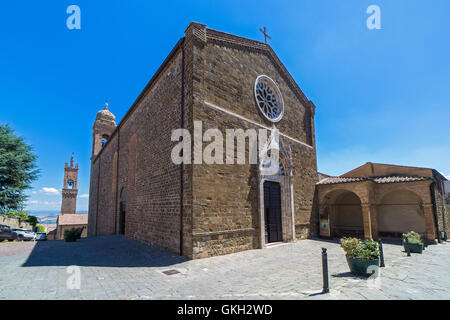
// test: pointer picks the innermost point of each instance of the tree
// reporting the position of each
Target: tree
(17, 170)
(22, 214)
(32, 220)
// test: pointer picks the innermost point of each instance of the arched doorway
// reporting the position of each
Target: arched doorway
(345, 214)
(276, 216)
(398, 212)
(122, 211)
(272, 212)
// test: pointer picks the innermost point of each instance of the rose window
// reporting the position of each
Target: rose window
(268, 98)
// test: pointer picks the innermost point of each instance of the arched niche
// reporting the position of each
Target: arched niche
(344, 211)
(400, 211)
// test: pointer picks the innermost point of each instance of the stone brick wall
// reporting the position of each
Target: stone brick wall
(373, 195)
(61, 229)
(69, 201)
(146, 176)
(440, 205)
(220, 203)
(226, 197)
(14, 222)
(93, 195)
(69, 196)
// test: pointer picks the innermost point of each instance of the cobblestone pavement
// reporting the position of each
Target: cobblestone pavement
(114, 267)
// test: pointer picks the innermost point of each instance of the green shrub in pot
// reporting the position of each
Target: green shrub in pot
(361, 255)
(414, 243)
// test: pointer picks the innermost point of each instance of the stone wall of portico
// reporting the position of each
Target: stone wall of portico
(371, 195)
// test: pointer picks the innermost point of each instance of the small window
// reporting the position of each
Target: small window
(70, 184)
(104, 140)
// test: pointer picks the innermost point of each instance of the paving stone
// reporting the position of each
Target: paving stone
(134, 271)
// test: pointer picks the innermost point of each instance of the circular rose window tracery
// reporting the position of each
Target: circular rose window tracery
(268, 98)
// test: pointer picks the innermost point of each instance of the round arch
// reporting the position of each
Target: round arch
(400, 211)
(343, 209)
(275, 166)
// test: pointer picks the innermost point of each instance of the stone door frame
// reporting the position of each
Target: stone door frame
(287, 214)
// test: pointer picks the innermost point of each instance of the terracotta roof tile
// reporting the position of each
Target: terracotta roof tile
(335, 180)
(72, 219)
(379, 180)
(395, 179)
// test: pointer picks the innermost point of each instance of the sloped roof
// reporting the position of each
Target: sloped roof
(336, 180)
(72, 219)
(373, 170)
(379, 180)
(394, 179)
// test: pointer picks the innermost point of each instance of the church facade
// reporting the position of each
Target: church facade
(194, 209)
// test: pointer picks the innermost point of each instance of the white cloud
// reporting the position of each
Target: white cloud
(49, 191)
(43, 205)
(84, 196)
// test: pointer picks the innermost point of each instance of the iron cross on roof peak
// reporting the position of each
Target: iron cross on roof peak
(266, 36)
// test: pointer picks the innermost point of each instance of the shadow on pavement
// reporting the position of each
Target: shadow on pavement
(393, 241)
(333, 240)
(349, 275)
(101, 251)
(318, 294)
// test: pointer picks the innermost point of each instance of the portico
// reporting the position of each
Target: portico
(378, 200)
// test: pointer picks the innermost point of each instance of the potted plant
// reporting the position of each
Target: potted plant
(361, 255)
(412, 241)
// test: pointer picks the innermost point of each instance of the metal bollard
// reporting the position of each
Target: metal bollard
(326, 285)
(407, 248)
(380, 243)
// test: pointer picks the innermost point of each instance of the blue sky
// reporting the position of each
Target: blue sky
(381, 95)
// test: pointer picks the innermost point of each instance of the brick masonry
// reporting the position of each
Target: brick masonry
(429, 194)
(143, 173)
(69, 193)
(219, 210)
(226, 197)
(14, 222)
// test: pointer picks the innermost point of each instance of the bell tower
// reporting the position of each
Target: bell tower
(70, 189)
(104, 125)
